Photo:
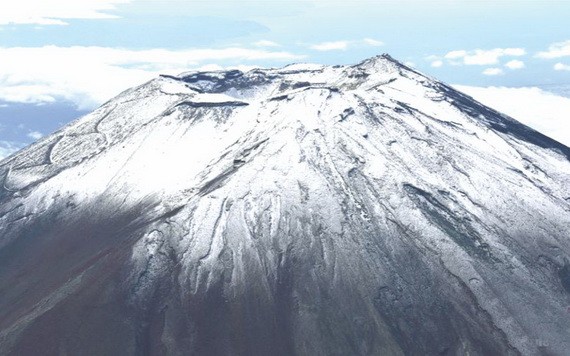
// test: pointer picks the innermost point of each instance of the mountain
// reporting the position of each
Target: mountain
(307, 210)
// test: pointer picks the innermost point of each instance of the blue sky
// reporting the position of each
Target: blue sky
(62, 58)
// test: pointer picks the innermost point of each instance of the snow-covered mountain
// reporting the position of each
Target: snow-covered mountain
(310, 210)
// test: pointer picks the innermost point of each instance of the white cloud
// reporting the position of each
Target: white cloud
(515, 64)
(484, 57)
(437, 64)
(216, 67)
(493, 71)
(456, 54)
(89, 76)
(410, 64)
(343, 45)
(55, 12)
(7, 148)
(266, 43)
(372, 42)
(561, 66)
(516, 52)
(331, 46)
(556, 50)
(545, 112)
(35, 135)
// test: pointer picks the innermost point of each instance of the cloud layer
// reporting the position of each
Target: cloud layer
(562, 66)
(55, 12)
(515, 64)
(492, 58)
(483, 57)
(493, 71)
(556, 50)
(344, 45)
(7, 148)
(545, 112)
(331, 46)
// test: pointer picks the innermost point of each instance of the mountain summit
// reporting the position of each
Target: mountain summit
(306, 210)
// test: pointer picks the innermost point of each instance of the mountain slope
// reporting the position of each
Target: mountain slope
(317, 210)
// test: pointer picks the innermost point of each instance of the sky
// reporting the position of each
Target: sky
(60, 59)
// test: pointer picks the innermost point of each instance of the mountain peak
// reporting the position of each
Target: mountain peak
(307, 73)
(381, 58)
